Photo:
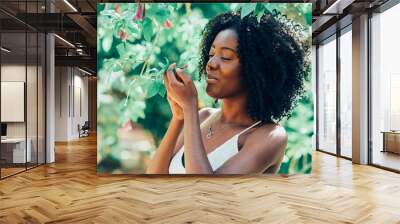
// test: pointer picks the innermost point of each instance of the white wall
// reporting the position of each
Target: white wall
(33, 127)
(15, 73)
(70, 83)
(61, 103)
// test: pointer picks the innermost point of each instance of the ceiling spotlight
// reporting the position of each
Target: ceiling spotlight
(84, 71)
(337, 7)
(64, 40)
(5, 50)
(70, 5)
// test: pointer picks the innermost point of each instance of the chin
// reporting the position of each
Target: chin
(211, 91)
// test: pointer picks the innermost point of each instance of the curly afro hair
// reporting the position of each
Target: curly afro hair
(273, 57)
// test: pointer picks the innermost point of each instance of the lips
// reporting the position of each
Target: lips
(211, 79)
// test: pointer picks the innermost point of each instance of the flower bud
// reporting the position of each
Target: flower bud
(140, 12)
(167, 24)
(122, 35)
(117, 8)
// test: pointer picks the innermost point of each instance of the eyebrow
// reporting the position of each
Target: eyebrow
(225, 48)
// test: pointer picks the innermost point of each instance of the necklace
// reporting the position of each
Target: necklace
(211, 132)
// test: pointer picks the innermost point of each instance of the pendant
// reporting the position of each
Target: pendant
(210, 133)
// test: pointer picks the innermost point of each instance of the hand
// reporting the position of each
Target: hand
(182, 93)
(177, 112)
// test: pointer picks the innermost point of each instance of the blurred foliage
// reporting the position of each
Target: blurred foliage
(136, 43)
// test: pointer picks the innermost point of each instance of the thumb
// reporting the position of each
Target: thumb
(185, 78)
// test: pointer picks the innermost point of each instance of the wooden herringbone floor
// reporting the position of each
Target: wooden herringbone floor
(69, 191)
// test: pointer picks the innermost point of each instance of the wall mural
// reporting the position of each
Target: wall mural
(186, 88)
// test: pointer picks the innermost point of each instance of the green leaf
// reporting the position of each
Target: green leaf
(147, 29)
(259, 15)
(259, 11)
(145, 82)
(151, 71)
(136, 65)
(116, 67)
(259, 8)
(108, 13)
(107, 43)
(121, 49)
(308, 17)
(127, 66)
(153, 89)
(161, 16)
(162, 91)
(247, 9)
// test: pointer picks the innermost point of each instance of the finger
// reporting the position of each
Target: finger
(172, 80)
(166, 84)
(170, 68)
(171, 99)
(183, 76)
(166, 77)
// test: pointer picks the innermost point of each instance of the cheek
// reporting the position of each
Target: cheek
(230, 82)
(232, 76)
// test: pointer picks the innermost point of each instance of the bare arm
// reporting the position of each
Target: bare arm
(204, 113)
(184, 93)
(262, 150)
(164, 153)
(170, 144)
(196, 160)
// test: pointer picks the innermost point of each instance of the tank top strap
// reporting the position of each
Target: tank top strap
(248, 128)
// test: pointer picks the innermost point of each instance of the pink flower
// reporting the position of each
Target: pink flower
(122, 35)
(141, 12)
(128, 125)
(167, 24)
(117, 8)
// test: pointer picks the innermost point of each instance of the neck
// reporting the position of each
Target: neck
(234, 111)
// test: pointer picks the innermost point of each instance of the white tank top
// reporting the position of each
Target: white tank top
(217, 157)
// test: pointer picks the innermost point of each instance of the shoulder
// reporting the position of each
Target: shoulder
(273, 134)
(205, 112)
(268, 139)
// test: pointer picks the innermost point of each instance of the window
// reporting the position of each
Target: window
(327, 95)
(346, 92)
(385, 88)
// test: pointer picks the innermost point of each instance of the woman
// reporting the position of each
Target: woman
(257, 69)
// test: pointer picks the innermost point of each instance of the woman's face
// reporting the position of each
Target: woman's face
(223, 67)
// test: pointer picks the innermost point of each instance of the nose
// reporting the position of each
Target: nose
(212, 63)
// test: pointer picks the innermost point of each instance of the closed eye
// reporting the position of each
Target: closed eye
(223, 58)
